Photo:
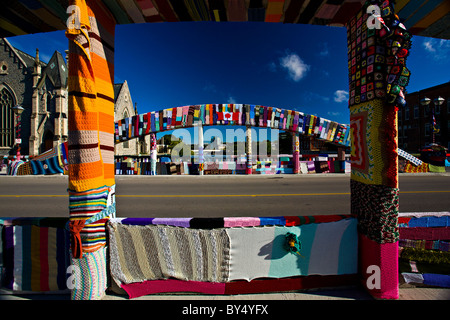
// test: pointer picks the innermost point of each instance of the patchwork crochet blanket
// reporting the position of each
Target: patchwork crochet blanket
(218, 251)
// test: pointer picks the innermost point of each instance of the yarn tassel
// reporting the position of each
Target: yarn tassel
(75, 228)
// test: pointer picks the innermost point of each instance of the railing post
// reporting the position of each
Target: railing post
(201, 157)
(296, 152)
(153, 154)
(248, 150)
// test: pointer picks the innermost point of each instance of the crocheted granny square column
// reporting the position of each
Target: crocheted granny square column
(378, 45)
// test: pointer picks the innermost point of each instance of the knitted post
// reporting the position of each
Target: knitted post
(296, 152)
(201, 158)
(377, 48)
(248, 150)
(90, 31)
(153, 154)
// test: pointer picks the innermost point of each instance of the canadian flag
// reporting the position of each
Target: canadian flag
(229, 116)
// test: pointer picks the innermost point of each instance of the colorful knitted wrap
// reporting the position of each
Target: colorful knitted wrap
(232, 114)
(91, 123)
(377, 75)
(378, 45)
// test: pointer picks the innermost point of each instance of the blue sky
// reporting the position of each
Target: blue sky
(300, 67)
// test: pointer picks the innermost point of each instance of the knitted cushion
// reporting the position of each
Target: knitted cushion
(90, 276)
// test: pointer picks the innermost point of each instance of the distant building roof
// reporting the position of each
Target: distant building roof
(56, 70)
(28, 59)
(117, 88)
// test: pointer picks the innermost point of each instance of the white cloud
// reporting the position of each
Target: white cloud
(429, 46)
(334, 114)
(312, 96)
(340, 95)
(209, 87)
(325, 52)
(272, 67)
(295, 66)
(231, 100)
(44, 57)
(437, 49)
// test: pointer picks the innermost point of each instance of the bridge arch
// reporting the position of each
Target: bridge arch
(248, 115)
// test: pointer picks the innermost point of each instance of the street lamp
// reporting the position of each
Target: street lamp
(18, 111)
(425, 102)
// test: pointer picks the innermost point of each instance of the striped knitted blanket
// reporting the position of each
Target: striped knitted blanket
(35, 254)
(84, 206)
(154, 252)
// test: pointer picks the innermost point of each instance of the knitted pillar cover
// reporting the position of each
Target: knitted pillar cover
(91, 140)
(91, 119)
(377, 49)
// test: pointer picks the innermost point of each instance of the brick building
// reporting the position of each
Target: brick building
(415, 121)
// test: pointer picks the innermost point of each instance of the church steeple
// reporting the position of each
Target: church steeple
(36, 69)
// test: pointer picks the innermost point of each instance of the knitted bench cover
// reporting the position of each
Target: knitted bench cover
(206, 255)
(154, 252)
(425, 248)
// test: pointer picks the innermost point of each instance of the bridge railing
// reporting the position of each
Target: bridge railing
(232, 114)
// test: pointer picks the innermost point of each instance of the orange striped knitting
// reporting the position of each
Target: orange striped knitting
(91, 104)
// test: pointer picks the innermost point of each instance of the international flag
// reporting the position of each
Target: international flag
(435, 128)
(228, 116)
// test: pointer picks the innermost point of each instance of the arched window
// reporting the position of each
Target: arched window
(125, 143)
(6, 118)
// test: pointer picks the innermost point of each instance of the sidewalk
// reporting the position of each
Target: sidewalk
(406, 293)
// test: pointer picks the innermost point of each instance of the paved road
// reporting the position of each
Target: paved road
(218, 196)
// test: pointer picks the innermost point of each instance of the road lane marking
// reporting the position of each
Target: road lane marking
(217, 195)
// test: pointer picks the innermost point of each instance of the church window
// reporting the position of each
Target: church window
(125, 143)
(6, 118)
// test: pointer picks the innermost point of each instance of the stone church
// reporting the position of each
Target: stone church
(41, 89)
(123, 108)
